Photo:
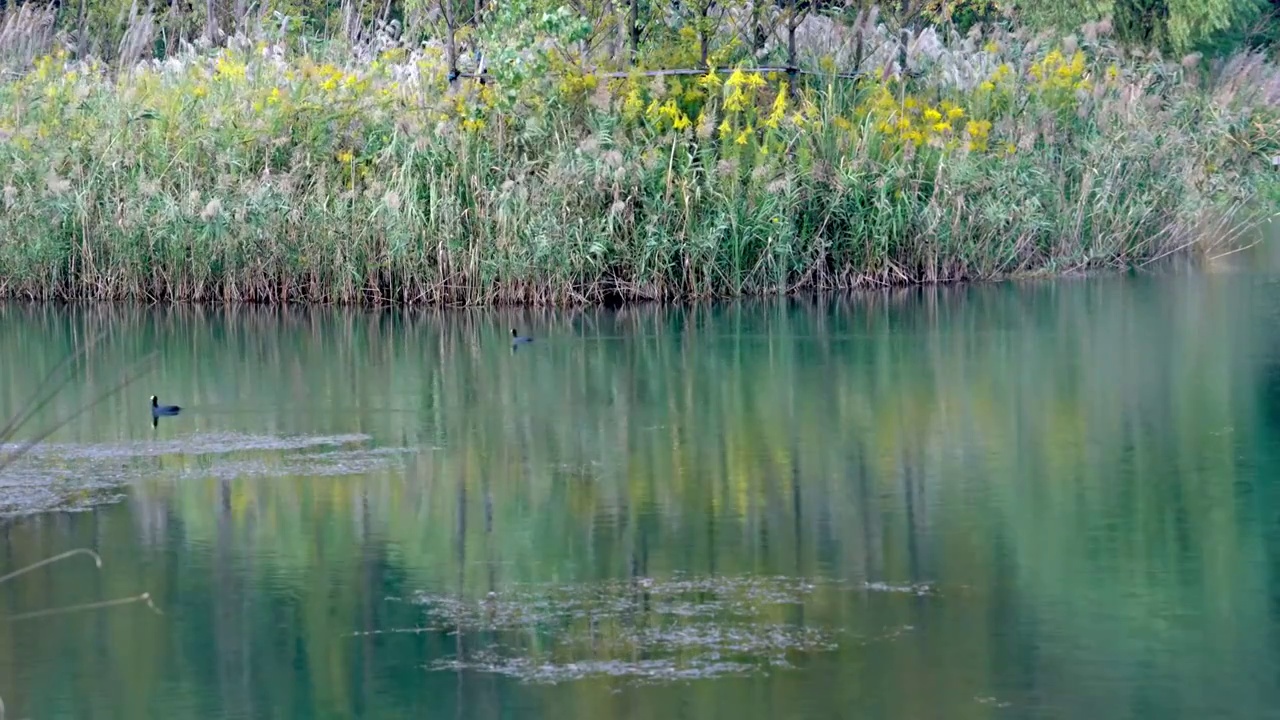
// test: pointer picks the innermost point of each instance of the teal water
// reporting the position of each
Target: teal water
(1045, 500)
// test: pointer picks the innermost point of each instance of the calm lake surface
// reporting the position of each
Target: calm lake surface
(1046, 500)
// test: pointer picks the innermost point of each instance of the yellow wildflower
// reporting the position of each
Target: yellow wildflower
(779, 110)
(633, 103)
(736, 101)
(978, 128)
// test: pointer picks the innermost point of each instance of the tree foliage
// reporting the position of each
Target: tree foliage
(1174, 25)
(102, 27)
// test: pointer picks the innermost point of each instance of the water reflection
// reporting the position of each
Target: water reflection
(1036, 501)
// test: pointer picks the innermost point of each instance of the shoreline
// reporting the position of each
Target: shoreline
(1174, 264)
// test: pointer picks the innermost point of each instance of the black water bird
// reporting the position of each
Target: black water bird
(157, 410)
(518, 339)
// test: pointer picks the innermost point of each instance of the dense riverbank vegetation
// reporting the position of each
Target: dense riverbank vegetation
(519, 151)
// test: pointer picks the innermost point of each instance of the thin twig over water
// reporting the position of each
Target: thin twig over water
(97, 561)
(144, 598)
(37, 403)
(44, 394)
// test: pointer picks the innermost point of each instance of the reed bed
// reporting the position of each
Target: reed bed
(272, 170)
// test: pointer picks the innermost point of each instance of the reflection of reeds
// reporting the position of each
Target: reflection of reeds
(53, 381)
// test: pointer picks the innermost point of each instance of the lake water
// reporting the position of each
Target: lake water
(1039, 500)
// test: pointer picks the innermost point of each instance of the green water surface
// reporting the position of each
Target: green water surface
(1044, 500)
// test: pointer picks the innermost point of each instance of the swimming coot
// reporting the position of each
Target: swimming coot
(158, 409)
(517, 339)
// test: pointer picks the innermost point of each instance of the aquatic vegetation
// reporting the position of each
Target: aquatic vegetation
(73, 477)
(269, 171)
(646, 629)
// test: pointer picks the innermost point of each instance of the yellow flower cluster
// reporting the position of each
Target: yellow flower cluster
(667, 115)
(229, 68)
(979, 132)
(577, 84)
(915, 123)
(1056, 72)
(1002, 73)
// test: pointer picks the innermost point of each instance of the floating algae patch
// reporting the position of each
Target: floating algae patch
(335, 463)
(81, 476)
(642, 630)
(196, 444)
(23, 499)
(920, 589)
